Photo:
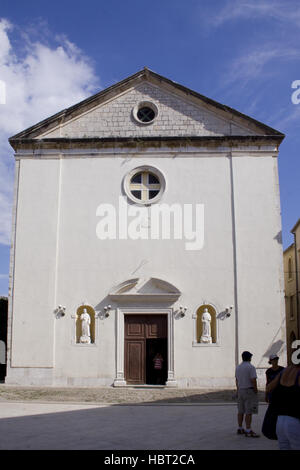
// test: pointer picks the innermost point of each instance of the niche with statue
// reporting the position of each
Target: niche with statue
(206, 322)
(85, 325)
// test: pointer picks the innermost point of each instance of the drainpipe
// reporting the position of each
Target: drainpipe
(234, 252)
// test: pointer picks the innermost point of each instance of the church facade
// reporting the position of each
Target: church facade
(146, 220)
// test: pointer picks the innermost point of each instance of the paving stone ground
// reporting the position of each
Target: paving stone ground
(35, 418)
(117, 395)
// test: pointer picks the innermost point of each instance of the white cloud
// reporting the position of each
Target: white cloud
(252, 64)
(4, 41)
(261, 59)
(41, 82)
(287, 119)
(283, 11)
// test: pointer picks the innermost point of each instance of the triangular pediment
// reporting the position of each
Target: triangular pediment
(180, 113)
(175, 116)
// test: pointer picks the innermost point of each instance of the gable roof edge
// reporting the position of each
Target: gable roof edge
(145, 73)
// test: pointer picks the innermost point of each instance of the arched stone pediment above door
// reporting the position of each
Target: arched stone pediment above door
(145, 290)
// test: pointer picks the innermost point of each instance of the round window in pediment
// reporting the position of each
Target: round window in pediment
(145, 112)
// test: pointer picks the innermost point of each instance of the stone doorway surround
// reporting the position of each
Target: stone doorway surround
(120, 341)
(140, 296)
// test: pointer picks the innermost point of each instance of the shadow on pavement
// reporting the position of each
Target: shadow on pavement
(98, 426)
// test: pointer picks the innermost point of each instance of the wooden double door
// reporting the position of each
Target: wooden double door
(145, 336)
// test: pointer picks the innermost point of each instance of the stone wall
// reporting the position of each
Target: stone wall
(176, 117)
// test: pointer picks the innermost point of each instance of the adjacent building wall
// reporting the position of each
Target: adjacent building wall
(290, 297)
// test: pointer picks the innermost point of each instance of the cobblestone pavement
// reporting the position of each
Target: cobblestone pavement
(117, 395)
(180, 427)
(109, 419)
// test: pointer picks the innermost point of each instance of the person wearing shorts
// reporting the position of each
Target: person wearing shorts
(246, 382)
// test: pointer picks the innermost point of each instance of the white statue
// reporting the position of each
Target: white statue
(85, 327)
(206, 329)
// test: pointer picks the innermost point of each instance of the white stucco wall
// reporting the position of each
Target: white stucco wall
(99, 265)
(260, 282)
(59, 260)
(32, 337)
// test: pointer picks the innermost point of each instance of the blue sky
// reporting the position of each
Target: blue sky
(243, 53)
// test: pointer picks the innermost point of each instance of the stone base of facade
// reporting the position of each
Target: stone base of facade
(29, 376)
(45, 378)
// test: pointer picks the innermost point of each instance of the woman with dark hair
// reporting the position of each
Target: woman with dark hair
(285, 389)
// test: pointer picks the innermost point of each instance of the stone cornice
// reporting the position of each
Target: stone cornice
(136, 142)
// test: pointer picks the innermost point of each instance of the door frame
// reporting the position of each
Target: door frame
(120, 342)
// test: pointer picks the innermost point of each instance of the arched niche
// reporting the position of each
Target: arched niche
(199, 326)
(90, 310)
